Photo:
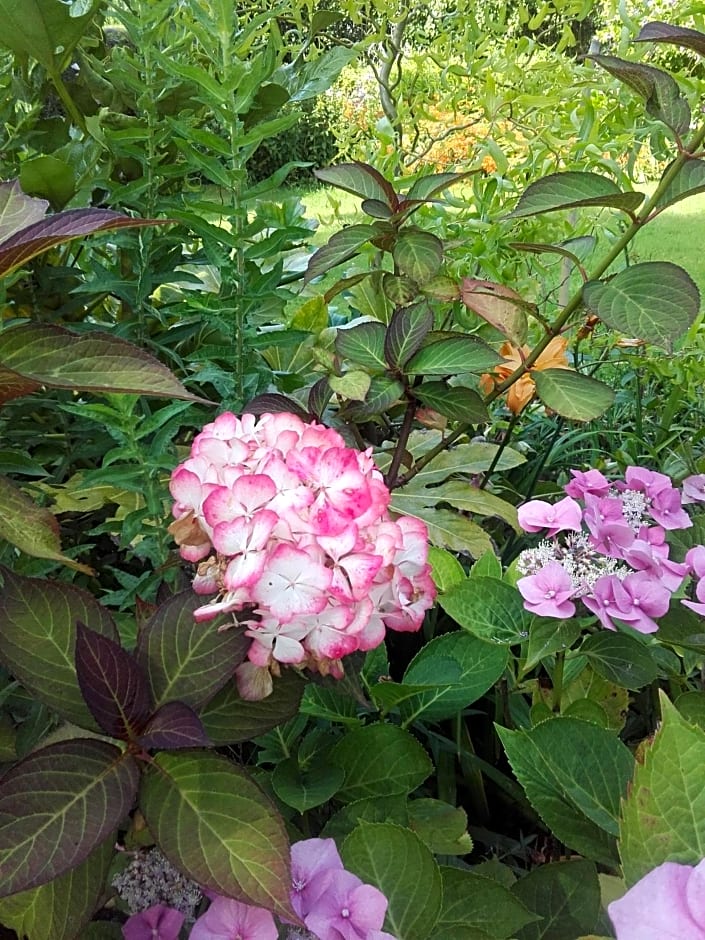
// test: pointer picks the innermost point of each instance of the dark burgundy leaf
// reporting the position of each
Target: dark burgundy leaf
(273, 403)
(175, 725)
(406, 332)
(112, 683)
(678, 35)
(318, 397)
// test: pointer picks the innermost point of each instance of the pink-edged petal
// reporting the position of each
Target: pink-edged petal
(293, 583)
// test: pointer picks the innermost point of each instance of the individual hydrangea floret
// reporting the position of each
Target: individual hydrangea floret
(156, 923)
(290, 529)
(666, 904)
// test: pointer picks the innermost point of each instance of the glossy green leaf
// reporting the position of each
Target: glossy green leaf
(489, 609)
(689, 181)
(418, 254)
(340, 247)
(213, 823)
(474, 900)
(499, 305)
(566, 895)
(571, 394)
(656, 301)
(574, 774)
(405, 766)
(43, 30)
(397, 862)
(306, 788)
(663, 815)
(659, 90)
(446, 570)
(676, 35)
(57, 806)
(329, 704)
(228, 719)
(453, 354)
(363, 344)
(406, 332)
(38, 639)
(453, 402)
(361, 180)
(187, 661)
(30, 527)
(571, 190)
(60, 909)
(620, 658)
(383, 392)
(94, 361)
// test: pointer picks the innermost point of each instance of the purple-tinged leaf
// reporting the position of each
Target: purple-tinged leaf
(229, 719)
(569, 191)
(689, 181)
(452, 353)
(453, 402)
(29, 242)
(660, 91)
(271, 403)
(187, 661)
(376, 209)
(406, 332)
(340, 247)
(500, 306)
(59, 804)
(398, 289)
(426, 187)
(363, 344)
(382, 393)
(678, 35)
(38, 639)
(418, 255)
(112, 684)
(98, 362)
(17, 210)
(215, 825)
(13, 385)
(31, 528)
(174, 726)
(655, 301)
(319, 395)
(361, 180)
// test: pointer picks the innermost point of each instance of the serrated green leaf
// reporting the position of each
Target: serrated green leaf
(441, 826)
(572, 394)
(659, 90)
(566, 895)
(304, 789)
(57, 806)
(187, 661)
(446, 570)
(418, 254)
(329, 704)
(574, 774)
(620, 659)
(489, 609)
(405, 766)
(340, 247)
(474, 900)
(547, 637)
(213, 823)
(689, 181)
(663, 815)
(691, 705)
(570, 190)
(396, 861)
(656, 301)
(363, 344)
(453, 401)
(406, 332)
(38, 639)
(229, 719)
(452, 355)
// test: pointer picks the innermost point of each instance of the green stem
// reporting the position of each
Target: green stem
(68, 102)
(557, 693)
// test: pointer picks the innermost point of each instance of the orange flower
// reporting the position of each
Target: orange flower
(523, 390)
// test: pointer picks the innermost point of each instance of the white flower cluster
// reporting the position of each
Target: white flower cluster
(151, 879)
(581, 562)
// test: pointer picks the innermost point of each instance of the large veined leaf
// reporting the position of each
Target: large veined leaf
(38, 639)
(406, 332)
(30, 527)
(57, 806)
(187, 661)
(472, 899)
(499, 305)
(566, 895)
(655, 301)
(229, 719)
(215, 824)
(361, 180)
(340, 247)
(689, 181)
(454, 402)
(60, 909)
(489, 609)
(363, 344)
(659, 90)
(463, 496)
(569, 191)
(52, 356)
(43, 30)
(426, 187)
(572, 394)
(383, 392)
(677, 35)
(447, 354)
(418, 254)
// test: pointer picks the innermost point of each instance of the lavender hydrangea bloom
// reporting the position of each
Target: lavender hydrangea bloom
(226, 919)
(667, 904)
(156, 923)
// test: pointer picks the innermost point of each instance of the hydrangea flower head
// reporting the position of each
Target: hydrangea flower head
(291, 531)
(667, 904)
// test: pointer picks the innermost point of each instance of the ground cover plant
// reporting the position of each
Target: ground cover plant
(324, 579)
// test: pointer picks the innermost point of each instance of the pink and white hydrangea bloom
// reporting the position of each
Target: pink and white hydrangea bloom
(667, 904)
(291, 531)
(613, 551)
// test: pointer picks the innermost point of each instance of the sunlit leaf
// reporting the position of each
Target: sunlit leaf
(363, 344)
(361, 180)
(500, 306)
(572, 394)
(340, 247)
(570, 190)
(660, 91)
(450, 355)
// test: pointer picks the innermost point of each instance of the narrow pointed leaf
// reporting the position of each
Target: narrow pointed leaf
(571, 394)
(655, 301)
(187, 661)
(340, 247)
(98, 362)
(174, 726)
(38, 639)
(689, 181)
(570, 190)
(31, 528)
(229, 719)
(453, 354)
(363, 344)
(57, 806)
(500, 306)
(406, 332)
(213, 823)
(677, 35)
(453, 402)
(361, 180)
(659, 90)
(112, 684)
(418, 255)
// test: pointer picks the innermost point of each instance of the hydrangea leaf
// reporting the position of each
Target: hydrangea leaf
(566, 895)
(405, 766)
(569, 191)
(473, 900)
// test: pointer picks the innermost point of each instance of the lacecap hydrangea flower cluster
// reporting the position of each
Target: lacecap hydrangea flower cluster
(612, 553)
(291, 528)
